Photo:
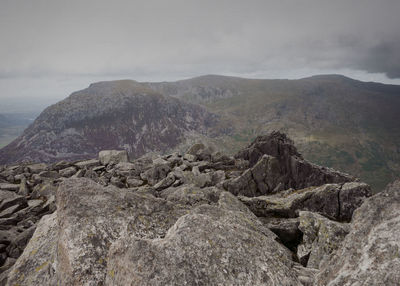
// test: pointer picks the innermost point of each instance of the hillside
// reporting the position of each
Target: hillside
(108, 115)
(334, 120)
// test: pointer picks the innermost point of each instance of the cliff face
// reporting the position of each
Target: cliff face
(108, 115)
(198, 218)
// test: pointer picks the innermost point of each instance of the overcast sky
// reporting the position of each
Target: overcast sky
(50, 48)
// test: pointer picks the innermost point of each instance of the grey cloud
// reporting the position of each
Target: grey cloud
(182, 38)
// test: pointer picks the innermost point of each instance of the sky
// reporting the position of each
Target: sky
(50, 48)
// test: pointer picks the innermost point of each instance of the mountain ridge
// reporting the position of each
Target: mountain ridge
(335, 121)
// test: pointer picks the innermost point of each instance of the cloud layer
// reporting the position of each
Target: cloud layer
(181, 38)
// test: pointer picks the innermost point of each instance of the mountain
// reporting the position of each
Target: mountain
(108, 115)
(335, 121)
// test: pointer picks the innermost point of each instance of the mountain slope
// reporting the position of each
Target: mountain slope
(108, 115)
(335, 121)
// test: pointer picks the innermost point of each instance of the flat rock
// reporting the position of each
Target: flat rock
(9, 187)
(325, 199)
(87, 163)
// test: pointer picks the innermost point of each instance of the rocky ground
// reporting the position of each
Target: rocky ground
(263, 217)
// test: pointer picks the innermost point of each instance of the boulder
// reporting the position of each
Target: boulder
(321, 237)
(369, 254)
(9, 187)
(68, 172)
(36, 265)
(108, 213)
(212, 245)
(87, 163)
(326, 199)
(113, 156)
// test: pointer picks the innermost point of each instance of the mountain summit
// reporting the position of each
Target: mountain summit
(120, 114)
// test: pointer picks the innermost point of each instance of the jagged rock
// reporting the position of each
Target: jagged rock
(10, 211)
(189, 157)
(286, 229)
(87, 164)
(49, 175)
(68, 172)
(8, 199)
(155, 173)
(321, 237)
(9, 187)
(45, 190)
(165, 183)
(212, 245)
(36, 265)
(113, 156)
(23, 188)
(326, 200)
(134, 182)
(275, 144)
(61, 165)
(276, 165)
(18, 244)
(37, 168)
(369, 254)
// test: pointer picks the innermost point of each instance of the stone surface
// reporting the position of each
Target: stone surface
(113, 156)
(36, 265)
(325, 199)
(68, 172)
(321, 237)
(276, 165)
(83, 244)
(209, 246)
(370, 252)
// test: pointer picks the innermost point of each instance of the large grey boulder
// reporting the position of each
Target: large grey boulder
(212, 245)
(113, 156)
(370, 252)
(92, 217)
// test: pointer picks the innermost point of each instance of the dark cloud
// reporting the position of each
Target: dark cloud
(156, 40)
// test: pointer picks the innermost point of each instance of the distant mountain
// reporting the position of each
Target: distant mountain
(335, 121)
(108, 115)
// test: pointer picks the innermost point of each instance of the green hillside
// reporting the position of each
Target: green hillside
(335, 121)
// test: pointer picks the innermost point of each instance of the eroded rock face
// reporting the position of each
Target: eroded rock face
(276, 165)
(326, 199)
(209, 246)
(108, 115)
(321, 236)
(37, 264)
(370, 252)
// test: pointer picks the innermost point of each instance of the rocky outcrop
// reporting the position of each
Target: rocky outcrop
(123, 115)
(276, 165)
(173, 219)
(370, 252)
